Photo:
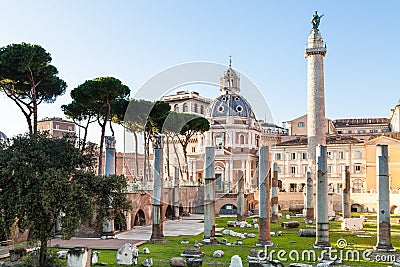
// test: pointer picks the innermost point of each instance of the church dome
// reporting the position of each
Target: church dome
(3, 136)
(230, 105)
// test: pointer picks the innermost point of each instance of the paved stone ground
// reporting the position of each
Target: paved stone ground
(192, 225)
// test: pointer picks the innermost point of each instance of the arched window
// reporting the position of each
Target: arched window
(241, 139)
(185, 107)
(176, 108)
(201, 109)
(195, 108)
(257, 140)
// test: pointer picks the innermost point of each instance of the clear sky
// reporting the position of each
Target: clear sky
(134, 40)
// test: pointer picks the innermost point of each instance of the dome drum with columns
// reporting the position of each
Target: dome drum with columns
(235, 132)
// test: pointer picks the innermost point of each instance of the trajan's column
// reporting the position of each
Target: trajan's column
(315, 53)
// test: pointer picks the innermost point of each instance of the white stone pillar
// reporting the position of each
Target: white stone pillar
(209, 194)
(274, 194)
(346, 193)
(315, 53)
(322, 227)
(384, 242)
(309, 197)
(176, 193)
(108, 225)
(157, 234)
(264, 235)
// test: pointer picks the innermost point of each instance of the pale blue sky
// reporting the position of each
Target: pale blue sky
(133, 40)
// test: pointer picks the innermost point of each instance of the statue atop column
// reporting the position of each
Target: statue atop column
(316, 20)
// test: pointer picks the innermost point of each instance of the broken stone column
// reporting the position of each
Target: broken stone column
(309, 199)
(240, 197)
(264, 236)
(346, 193)
(157, 233)
(322, 240)
(274, 194)
(384, 242)
(176, 194)
(209, 194)
(108, 225)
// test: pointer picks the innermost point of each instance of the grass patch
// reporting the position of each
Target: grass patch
(290, 241)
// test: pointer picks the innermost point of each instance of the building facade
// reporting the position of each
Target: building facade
(56, 127)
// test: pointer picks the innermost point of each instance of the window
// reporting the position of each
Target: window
(349, 132)
(292, 156)
(57, 127)
(193, 149)
(241, 139)
(329, 154)
(361, 131)
(218, 141)
(195, 108)
(329, 169)
(357, 168)
(341, 155)
(279, 169)
(201, 110)
(293, 170)
(304, 155)
(176, 108)
(357, 186)
(293, 187)
(301, 124)
(278, 156)
(305, 168)
(69, 128)
(340, 169)
(373, 131)
(357, 154)
(185, 107)
(385, 130)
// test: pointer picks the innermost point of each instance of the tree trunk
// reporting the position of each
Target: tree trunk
(42, 252)
(34, 108)
(103, 130)
(167, 157)
(145, 157)
(184, 147)
(85, 135)
(177, 157)
(136, 155)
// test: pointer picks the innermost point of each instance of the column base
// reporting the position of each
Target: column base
(322, 245)
(274, 218)
(157, 234)
(107, 235)
(309, 215)
(384, 248)
(241, 218)
(263, 243)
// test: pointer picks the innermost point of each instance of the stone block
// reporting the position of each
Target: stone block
(127, 255)
(177, 262)
(236, 261)
(77, 257)
(352, 224)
